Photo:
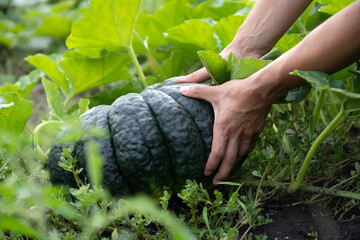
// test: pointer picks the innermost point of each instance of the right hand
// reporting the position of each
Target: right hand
(240, 112)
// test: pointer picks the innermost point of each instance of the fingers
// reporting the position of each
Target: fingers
(228, 153)
(200, 75)
(199, 91)
(228, 161)
(218, 149)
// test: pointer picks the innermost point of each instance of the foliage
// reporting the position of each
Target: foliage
(121, 46)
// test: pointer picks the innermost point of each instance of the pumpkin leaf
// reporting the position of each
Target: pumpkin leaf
(85, 73)
(287, 42)
(320, 80)
(333, 6)
(297, 94)
(3, 103)
(14, 112)
(323, 81)
(55, 101)
(192, 36)
(106, 25)
(244, 67)
(152, 27)
(216, 66)
(27, 83)
(217, 9)
(227, 27)
(272, 55)
(49, 65)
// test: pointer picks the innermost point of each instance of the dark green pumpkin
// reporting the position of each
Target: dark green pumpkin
(156, 138)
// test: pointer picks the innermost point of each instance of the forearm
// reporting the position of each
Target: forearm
(265, 25)
(329, 48)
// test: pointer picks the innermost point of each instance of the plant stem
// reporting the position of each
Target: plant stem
(314, 146)
(67, 100)
(317, 109)
(323, 119)
(332, 108)
(266, 173)
(39, 151)
(246, 232)
(44, 124)
(303, 187)
(137, 66)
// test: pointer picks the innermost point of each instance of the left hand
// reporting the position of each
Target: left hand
(240, 114)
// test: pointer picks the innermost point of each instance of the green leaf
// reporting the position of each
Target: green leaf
(9, 223)
(352, 105)
(24, 85)
(83, 105)
(219, 9)
(192, 36)
(172, 66)
(54, 25)
(95, 163)
(256, 173)
(295, 95)
(320, 80)
(244, 67)
(323, 81)
(111, 93)
(147, 207)
(76, 110)
(152, 27)
(49, 65)
(9, 88)
(216, 66)
(28, 82)
(14, 112)
(227, 27)
(334, 6)
(356, 81)
(206, 219)
(106, 25)
(55, 101)
(272, 55)
(3, 103)
(287, 42)
(85, 73)
(151, 6)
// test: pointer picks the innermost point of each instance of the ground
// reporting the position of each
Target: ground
(295, 220)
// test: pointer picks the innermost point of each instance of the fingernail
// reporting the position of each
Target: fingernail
(207, 173)
(179, 79)
(184, 89)
(216, 182)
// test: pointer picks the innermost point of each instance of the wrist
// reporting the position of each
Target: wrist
(241, 50)
(274, 81)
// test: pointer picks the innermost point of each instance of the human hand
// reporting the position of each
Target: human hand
(240, 114)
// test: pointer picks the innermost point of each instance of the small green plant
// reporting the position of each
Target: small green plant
(313, 234)
(222, 217)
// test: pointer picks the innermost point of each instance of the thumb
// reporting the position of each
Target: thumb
(200, 75)
(198, 91)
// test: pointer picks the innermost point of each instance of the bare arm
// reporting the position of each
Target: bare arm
(330, 47)
(266, 23)
(241, 107)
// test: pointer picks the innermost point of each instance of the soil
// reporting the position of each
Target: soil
(292, 219)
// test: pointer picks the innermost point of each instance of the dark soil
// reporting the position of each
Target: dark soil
(295, 220)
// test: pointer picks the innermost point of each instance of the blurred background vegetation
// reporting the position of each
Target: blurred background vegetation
(167, 36)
